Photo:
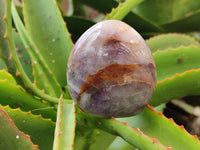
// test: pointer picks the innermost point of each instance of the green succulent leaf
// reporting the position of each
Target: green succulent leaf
(92, 139)
(123, 9)
(23, 56)
(177, 73)
(144, 26)
(65, 126)
(160, 11)
(171, 61)
(141, 24)
(41, 130)
(11, 137)
(2, 65)
(48, 31)
(133, 136)
(154, 124)
(166, 41)
(120, 144)
(15, 96)
(4, 48)
(178, 86)
(15, 58)
(98, 137)
(6, 76)
(43, 77)
(189, 23)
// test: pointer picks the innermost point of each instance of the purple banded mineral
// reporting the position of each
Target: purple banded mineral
(111, 71)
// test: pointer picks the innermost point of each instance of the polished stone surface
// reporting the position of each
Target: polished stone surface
(111, 71)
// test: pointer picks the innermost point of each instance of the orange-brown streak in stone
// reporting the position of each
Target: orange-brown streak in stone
(111, 41)
(113, 72)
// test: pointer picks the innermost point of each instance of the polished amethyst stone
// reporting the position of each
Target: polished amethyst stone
(111, 71)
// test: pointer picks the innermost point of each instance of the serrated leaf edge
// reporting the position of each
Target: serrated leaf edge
(172, 120)
(176, 75)
(154, 140)
(181, 46)
(20, 132)
(172, 33)
(28, 112)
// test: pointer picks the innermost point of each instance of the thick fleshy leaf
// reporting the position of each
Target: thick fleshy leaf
(120, 144)
(48, 32)
(2, 64)
(138, 22)
(133, 136)
(41, 130)
(6, 76)
(4, 48)
(178, 86)
(15, 96)
(44, 79)
(11, 137)
(156, 125)
(122, 9)
(92, 139)
(188, 23)
(23, 56)
(166, 41)
(171, 61)
(65, 126)
(98, 137)
(160, 11)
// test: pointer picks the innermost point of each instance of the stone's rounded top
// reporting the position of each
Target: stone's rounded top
(111, 71)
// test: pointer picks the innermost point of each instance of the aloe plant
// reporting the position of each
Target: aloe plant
(36, 109)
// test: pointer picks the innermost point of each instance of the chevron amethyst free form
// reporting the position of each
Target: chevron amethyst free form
(111, 71)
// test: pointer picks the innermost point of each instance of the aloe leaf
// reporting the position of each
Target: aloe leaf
(2, 65)
(120, 144)
(140, 23)
(43, 77)
(123, 9)
(98, 137)
(156, 125)
(65, 126)
(178, 77)
(178, 86)
(4, 48)
(172, 61)
(23, 56)
(11, 137)
(166, 11)
(186, 24)
(6, 76)
(92, 139)
(174, 40)
(48, 32)
(133, 136)
(15, 96)
(15, 58)
(148, 27)
(41, 130)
